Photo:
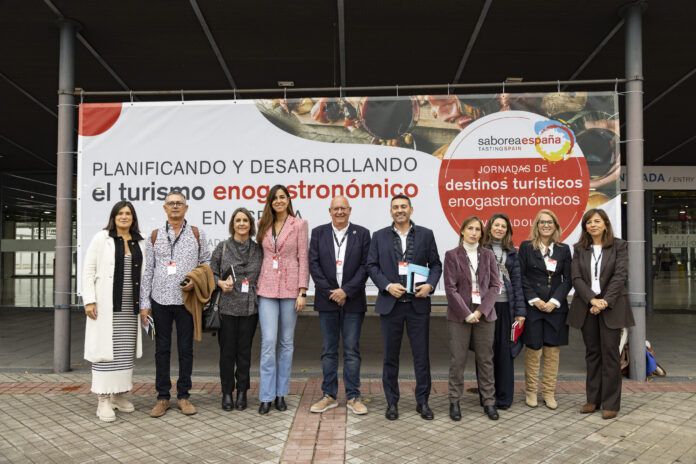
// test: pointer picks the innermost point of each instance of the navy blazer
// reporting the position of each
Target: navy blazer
(382, 265)
(513, 286)
(535, 276)
(322, 267)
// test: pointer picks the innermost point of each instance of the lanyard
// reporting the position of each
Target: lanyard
(597, 260)
(404, 249)
(275, 237)
(169, 239)
(339, 245)
(475, 271)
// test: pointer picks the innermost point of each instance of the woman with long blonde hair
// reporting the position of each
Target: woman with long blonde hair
(545, 265)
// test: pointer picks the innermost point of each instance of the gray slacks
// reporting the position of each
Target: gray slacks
(480, 338)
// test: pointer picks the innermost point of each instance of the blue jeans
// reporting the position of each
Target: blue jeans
(334, 325)
(277, 318)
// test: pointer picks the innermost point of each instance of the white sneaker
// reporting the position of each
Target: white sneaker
(118, 401)
(105, 411)
(324, 404)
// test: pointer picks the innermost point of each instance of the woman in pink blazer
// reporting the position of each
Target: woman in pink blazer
(282, 291)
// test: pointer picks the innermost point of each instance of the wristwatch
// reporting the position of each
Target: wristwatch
(303, 295)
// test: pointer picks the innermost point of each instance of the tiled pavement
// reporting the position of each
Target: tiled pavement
(48, 418)
(51, 418)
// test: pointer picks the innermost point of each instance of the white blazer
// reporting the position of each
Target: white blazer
(98, 287)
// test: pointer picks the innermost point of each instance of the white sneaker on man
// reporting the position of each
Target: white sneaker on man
(324, 404)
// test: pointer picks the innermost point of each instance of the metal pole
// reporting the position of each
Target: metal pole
(64, 192)
(635, 197)
(365, 88)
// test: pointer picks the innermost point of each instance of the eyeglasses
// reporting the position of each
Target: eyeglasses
(339, 209)
(545, 223)
(172, 204)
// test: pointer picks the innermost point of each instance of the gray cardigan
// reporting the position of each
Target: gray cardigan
(247, 264)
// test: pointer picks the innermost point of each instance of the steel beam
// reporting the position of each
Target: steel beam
(64, 193)
(633, 14)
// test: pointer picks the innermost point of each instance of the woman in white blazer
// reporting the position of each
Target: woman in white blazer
(111, 275)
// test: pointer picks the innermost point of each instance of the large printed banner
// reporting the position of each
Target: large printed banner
(453, 155)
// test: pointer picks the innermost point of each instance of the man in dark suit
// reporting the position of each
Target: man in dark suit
(391, 250)
(337, 263)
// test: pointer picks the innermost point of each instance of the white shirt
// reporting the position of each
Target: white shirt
(596, 264)
(340, 253)
(403, 238)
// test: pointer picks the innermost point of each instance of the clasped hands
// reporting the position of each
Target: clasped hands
(397, 290)
(546, 307)
(598, 305)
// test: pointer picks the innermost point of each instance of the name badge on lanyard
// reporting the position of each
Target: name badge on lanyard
(550, 264)
(275, 261)
(339, 266)
(171, 268)
(403, 268)
(475, 297)
(245, 286)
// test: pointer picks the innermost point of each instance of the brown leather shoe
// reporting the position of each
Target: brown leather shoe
(607, 414)
(186, 407)
(160, 408)
(588, 408)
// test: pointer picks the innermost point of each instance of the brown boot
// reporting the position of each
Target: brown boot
(160, 408)
(531, 376)
(608, 414)
(550, 375)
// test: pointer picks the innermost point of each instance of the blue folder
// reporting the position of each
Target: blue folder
(415, 275)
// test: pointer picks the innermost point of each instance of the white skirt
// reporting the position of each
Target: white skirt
(117, 376)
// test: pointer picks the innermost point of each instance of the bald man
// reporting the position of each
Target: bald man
(337, 262)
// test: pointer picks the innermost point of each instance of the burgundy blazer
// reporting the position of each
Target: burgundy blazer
(613, 280)
(458, 284)
(293, 265)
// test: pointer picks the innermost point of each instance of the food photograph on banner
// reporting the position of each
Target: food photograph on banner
(454, 155)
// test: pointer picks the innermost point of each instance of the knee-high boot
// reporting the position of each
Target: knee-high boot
(550, 375)
(531, 375)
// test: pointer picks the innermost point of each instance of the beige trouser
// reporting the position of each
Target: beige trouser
(480, 338)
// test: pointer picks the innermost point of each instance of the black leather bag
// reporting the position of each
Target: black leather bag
(211, 311)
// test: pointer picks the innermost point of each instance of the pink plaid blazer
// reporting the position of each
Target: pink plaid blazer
(293, 264)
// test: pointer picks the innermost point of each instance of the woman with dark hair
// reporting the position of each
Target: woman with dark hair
(111, 275)
(509, 306)
(545, 267)
(600, 309)
(471, 285)
(282, 291)
(236, 263)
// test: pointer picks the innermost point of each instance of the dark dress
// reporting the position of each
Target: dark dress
(545, 329)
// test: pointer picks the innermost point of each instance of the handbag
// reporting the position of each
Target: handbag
(211, 310)
(211, 313)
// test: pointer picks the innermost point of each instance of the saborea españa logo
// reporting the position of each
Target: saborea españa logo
(553, 140)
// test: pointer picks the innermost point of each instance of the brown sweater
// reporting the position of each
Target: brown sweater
(198, 296)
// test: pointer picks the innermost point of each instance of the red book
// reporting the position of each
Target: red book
(515, 331)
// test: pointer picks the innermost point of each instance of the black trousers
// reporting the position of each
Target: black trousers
(503, 362)
(603, 363)
(418, 330)
(235, 337)
(164, 316)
